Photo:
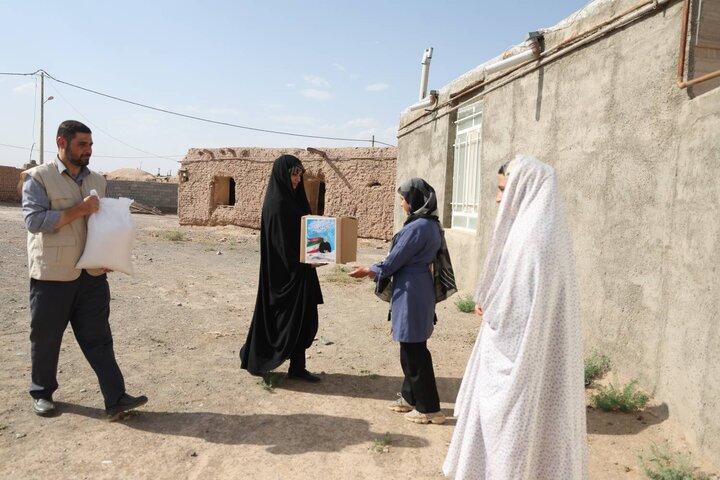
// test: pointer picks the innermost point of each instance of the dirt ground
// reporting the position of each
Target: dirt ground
(178, 325)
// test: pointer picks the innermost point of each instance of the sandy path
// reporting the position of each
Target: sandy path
(178, 325)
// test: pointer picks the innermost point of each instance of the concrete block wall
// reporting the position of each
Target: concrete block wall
(637, 161)
(163, 196)
(359, 182)
(9, 180)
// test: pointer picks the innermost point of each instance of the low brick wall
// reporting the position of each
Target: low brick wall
(163, 196)
(9, 181)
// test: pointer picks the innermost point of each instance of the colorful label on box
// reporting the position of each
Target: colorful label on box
(321, 235)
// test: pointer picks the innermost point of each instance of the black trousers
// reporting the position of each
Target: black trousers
(419, 387)
(305, 339)
(297, 360)
(85, 304)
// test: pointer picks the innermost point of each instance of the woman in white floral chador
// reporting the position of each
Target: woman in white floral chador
(521, 407)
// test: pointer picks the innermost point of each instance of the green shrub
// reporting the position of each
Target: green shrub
(465, 303)
(629, 399)
(339, 274)
(270, 381)
(667, 465)
(382, 445)
(369, 374)
(595, 367)
(174, 236)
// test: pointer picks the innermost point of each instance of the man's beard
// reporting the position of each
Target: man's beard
(80, 161)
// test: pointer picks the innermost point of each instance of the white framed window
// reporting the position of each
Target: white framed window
(707, 45)
(466, 171)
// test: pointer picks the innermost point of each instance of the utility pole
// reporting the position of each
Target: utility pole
(42, 116)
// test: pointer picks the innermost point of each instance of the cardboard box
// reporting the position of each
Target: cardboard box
(328, 239)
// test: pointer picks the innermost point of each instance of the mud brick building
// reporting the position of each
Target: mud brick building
(226, 186)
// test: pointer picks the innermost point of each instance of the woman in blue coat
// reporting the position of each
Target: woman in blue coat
(412, 302)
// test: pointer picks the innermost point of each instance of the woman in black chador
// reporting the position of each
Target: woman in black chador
(286, 317)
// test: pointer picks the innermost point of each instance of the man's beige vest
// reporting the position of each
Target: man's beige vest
(52, 256)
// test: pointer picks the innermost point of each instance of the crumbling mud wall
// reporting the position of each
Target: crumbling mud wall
(226, 186)
(9, 182)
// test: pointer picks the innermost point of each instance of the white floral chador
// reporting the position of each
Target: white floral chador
(521, 407)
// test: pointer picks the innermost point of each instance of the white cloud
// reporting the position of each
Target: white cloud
(316, 81)
(341, 68)
(290, 85)
(391, 132)
(25, 88)
(316, 94)
(191, 109)
(273, 106)
(367, 123)
(294, 120)
(377, 87)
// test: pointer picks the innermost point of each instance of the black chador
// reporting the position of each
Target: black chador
(285, 320)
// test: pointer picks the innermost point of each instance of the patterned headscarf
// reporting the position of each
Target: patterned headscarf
(421, 197)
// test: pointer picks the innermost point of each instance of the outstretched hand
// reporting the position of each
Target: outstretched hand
(361, 271)
(478, 309)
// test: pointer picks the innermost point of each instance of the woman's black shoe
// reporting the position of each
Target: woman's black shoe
(303, 375)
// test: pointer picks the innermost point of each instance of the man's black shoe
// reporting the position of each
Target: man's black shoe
(125, 404)
(43, 407)
(303, 375)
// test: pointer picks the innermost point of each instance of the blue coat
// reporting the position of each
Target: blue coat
(413, 295)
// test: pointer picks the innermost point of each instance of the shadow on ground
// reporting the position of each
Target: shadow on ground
(617, 423)
(281, 434)
(379, 387)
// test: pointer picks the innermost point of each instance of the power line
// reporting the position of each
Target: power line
(201, 119)
(57, 90)
(20, 74)
(94, 156)
(150, 155)
(13, 146)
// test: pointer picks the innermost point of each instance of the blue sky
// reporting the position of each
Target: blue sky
(338, 69)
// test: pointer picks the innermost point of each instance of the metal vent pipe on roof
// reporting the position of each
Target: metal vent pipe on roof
(509, 62)
(425, 73)
(429, 101)
(535, 40)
